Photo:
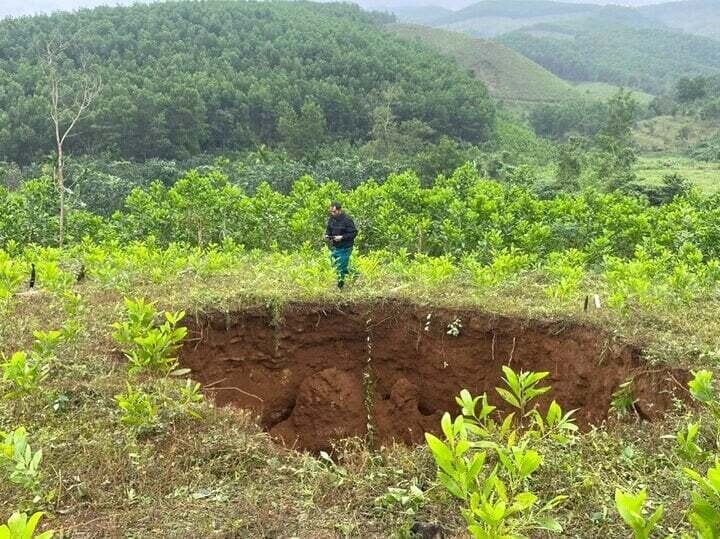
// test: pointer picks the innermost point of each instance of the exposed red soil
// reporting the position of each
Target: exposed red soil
(304, 374)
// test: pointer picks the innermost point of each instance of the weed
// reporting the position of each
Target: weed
(623, 400)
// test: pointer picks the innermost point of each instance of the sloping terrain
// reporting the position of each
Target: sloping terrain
(644, 48)
(600, 50)
(508, 75)
(183, 78)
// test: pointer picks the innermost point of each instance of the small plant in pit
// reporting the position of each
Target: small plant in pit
(623, 400)
(20, 463)
(630, 506)
(146, 345)
(454, 327)
(19, 526)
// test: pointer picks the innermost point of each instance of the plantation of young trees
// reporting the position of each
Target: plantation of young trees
(525, 343)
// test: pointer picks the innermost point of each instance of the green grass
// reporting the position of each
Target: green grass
(508, 75)
(604, 91)
(672, 134)
(705, 176)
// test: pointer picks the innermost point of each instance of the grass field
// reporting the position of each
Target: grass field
(603, 91)
(672, 134)
(706, 176)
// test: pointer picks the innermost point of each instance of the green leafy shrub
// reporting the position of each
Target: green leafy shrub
(139, 410)
(498, 502)
(704, 515)
(630, 507)
(21, 464)
(20, 527)
(522, 388)
(23, 373)
(147, 346)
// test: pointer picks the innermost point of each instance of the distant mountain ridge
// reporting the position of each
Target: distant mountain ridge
(646, 48)
(490, 18)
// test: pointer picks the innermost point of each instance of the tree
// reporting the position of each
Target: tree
(617, 154)
(569, 162)
(303, 133)
(688, 89)
(69, 101)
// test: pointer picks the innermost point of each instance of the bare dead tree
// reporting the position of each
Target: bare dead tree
(69, 102)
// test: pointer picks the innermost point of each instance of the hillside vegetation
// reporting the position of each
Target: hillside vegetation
(700, 17)
(599, 51)
(508, 75)
(187, 77)
(644, 48)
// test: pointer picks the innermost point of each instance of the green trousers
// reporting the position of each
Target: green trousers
(341, 260)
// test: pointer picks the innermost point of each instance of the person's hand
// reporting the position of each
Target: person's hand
(337, 238)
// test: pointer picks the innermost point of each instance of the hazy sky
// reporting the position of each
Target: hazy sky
(30, 7)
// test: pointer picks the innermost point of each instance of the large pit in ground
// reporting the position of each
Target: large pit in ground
(315, 374)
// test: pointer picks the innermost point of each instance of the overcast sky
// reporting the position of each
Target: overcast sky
(30, 7)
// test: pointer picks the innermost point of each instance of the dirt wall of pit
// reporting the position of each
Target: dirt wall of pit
(317, 373)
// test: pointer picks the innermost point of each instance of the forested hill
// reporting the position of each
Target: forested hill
(605, 49)
(187, 77)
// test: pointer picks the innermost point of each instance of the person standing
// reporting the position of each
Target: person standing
(340, 234)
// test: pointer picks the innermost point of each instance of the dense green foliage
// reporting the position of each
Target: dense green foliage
(183, 78)
(598, 49)
(645, 48)
(556, 120)
(459, 214)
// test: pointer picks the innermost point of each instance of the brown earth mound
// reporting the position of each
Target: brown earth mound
(322, 373)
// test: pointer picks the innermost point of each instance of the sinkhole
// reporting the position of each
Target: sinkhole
(319, 373)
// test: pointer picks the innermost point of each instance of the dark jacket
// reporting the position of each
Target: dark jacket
(342, 225)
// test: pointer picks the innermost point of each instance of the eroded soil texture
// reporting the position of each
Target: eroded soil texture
(315, 374)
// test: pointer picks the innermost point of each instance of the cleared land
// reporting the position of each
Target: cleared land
(509, 76)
